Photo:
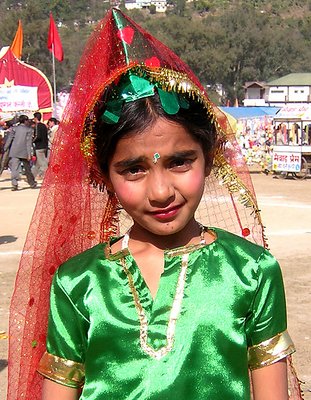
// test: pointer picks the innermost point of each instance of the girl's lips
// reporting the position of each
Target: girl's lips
(166, 214)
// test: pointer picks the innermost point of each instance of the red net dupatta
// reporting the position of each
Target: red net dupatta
(71, 215)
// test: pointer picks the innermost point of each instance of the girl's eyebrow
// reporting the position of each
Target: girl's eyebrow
(182, 154)
(129, 162)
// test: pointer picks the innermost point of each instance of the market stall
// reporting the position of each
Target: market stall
(294, 155)
(254, 131)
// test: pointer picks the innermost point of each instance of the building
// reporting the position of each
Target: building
(255, 94)
(289, 89)
(160, 5)
(292, 88)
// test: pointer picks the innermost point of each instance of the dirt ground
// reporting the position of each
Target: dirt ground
(286, 210)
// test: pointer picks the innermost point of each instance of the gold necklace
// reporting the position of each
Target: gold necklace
(176, 306)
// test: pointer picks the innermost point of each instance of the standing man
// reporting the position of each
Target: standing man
(52, 128)
(19, 142)
(41, 143)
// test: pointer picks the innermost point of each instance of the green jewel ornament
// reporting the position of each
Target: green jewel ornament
(133, 87)
(156, 156)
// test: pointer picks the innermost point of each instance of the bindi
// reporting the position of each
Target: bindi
(155, 158)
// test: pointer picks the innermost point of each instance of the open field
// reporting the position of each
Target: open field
(286, 209)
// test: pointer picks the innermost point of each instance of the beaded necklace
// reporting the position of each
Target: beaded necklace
(176, 306)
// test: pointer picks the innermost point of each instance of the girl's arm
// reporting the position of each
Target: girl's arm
(270, 383)
(52, 391)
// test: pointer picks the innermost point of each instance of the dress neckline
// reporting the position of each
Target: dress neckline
(177, 251)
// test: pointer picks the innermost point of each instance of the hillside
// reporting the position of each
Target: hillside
(224, 42)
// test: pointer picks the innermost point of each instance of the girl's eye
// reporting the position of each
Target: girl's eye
(134, 172)
(181, 164)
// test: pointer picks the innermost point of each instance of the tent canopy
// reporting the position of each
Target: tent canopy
(23, 88)
(250, 112)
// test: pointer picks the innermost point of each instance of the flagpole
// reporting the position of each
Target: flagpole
(54, 77)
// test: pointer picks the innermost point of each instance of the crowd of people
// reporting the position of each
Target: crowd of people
(25, 147)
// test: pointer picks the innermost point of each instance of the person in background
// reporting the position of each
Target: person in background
(52, 128)
(308, 134)
(4, 155)
(41, 146)
(19, 141)
(278, 136)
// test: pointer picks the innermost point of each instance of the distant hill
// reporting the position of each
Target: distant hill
(225, 42)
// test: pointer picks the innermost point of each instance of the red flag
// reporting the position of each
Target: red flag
(17, 44)
(54, 44)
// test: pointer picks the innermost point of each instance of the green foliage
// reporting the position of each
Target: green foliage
(224, 42)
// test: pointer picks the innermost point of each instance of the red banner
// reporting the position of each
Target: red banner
(54, 43)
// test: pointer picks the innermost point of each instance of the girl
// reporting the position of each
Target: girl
(171, 308)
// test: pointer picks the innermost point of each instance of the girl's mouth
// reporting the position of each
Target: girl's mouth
(166, 213)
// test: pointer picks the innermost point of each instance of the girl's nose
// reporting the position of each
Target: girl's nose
(160, 189)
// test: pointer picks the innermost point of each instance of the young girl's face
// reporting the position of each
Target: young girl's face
(158, 176)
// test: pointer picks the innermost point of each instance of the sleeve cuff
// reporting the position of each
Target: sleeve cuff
(270, 351)
(66, 372)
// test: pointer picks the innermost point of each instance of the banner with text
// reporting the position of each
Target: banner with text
(286, 161)
(18, 98)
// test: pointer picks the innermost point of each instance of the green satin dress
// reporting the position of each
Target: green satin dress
(229, 315)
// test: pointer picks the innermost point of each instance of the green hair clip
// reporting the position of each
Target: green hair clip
(133, 87)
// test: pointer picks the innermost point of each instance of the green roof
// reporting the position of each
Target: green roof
(299, 79)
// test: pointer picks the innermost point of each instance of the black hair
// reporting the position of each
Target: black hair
(10, 123)
(136, 116)
(52, 119)
(22, 119)
(37, 115)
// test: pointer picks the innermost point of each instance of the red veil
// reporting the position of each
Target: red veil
(71, 215)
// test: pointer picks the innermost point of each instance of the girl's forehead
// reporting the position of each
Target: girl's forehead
(164, 136)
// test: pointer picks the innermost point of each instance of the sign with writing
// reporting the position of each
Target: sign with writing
(286, 161)
(294, 112)
(18, 98)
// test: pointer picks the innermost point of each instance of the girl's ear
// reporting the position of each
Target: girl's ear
(108, 184)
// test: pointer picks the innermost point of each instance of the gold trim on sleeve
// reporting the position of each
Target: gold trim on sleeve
(270, 351)
(66, 372)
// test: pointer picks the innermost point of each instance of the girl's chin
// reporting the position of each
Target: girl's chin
(158, 228)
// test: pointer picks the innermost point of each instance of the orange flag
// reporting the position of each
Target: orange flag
(17, 45)
(54, 44)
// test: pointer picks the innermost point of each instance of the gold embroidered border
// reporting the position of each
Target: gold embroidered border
(270, 351)
(184, 250)
(66, 372)
(175, 310)
(179, 251)
(117, 255)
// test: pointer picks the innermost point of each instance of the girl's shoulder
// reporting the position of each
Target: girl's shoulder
(237, 247)
(86, 261)
(224, 237)
(245, 257)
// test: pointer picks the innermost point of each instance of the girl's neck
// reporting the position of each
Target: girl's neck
(190, 234)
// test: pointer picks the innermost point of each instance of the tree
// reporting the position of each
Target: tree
(224, 42)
